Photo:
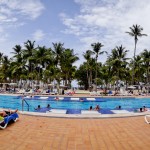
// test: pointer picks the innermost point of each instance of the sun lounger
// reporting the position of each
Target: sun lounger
(22, 91)
(94, 93)
(146, 119)
(13, 117)
(29, 92)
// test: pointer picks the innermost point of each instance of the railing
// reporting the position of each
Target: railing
(23, 100)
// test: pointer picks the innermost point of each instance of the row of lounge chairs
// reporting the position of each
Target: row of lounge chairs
(110, 93)
(38, 92)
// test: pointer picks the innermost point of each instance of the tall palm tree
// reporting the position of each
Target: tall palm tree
(57, 50)
(138, 68)
(67, 65)
(28, 54)
(118, 61)
(97, 50)
(135, 31)
(87, 55)
(17, 65)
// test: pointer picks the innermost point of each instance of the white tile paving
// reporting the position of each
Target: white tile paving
(120, 111)
(89, 112)
(57, 111)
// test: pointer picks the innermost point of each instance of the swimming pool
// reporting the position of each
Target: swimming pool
(13, 102)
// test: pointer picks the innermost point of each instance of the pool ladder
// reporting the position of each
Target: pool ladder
(24, 101)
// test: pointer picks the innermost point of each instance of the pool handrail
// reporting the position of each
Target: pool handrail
(23, 100)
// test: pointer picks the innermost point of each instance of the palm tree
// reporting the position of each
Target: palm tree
(87, 57)
(17, 65)
(67, 61)
(97, 50)
(138, 68)
(28, 54)
(118, 61)
(1, 58)
(135, 31)
(5, 68)
(57, 50)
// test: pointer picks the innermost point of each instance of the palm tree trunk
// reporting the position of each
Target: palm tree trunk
(134, 62)
(96, 74)
(90, 77)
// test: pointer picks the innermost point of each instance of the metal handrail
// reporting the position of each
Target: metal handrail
(23, 100)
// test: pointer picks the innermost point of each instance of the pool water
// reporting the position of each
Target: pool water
(13, 102)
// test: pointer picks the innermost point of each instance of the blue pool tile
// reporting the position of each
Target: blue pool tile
(73, 111)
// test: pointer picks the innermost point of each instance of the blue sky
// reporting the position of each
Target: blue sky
(76, 23)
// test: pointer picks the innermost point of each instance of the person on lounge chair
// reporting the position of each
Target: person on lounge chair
(6, 117)
(6, 113)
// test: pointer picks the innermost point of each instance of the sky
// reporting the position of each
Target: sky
(76, 23)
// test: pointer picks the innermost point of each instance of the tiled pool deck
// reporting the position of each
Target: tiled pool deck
(44, 133)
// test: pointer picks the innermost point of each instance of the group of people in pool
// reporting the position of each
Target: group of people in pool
(142, 109)
(96, 108)
(39, 107)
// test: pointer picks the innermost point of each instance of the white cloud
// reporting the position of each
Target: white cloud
(38, 35)
(29, 8)
(15, 13)
(107, 21)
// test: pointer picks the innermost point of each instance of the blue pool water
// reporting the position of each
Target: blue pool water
(13, 102)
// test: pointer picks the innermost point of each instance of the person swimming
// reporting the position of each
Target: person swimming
(90, 108)
(81, 99)
(48, 106)
(56, 98)
(97, 107)
(38, 108)
(118, 107)
(144, 108)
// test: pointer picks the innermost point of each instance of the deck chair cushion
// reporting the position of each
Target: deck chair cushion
(1, 119)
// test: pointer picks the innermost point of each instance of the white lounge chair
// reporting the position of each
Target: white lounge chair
(22, 91)
(94, 93)
(146, 119)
